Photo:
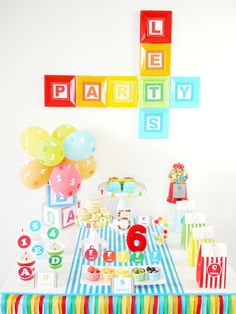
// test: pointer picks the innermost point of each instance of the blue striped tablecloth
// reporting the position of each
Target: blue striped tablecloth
(116, 242)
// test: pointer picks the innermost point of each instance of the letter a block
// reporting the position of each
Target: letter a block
(122, 91)
(91, 91)
(153, 123)
(59, 217)
(185, 92)
(59, 91)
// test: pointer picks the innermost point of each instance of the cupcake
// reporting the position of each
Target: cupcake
(129, 185)
(139, 273)
(113, 185)
(154, 273)
(93, 273)
(108, 273)
(124, 273)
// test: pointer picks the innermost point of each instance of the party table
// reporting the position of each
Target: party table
(179, 293)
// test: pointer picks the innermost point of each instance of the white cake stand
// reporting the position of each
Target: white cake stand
(103, 188)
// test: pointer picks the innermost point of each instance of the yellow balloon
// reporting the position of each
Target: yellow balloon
(34, 174)
(61, 132)
(87, 167)
(31, 137)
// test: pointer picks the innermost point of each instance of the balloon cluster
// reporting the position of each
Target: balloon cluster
(178, 174)
(64, 158)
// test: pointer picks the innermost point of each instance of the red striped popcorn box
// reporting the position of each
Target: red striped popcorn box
(197, 236)
(211, 268)
(195, 219)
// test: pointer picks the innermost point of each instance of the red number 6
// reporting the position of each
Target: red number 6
(135, 234)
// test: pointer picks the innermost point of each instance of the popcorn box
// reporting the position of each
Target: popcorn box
(211, 271)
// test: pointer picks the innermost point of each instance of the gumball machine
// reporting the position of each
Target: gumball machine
(178, 188)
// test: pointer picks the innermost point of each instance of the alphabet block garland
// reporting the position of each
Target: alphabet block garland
(154, 92)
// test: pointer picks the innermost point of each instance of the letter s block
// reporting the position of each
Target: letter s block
(59, 91)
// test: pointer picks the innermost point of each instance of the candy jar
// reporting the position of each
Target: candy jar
(178, 188)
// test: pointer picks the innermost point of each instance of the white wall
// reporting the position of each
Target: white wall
(102, 37)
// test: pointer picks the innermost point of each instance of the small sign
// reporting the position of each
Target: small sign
(179, 190)
(91, 254)
(144, 220)
(137, 257)
(122, 286)
(214, 270)
(38, 250)
(24, 241)
(46, 280)
(155, 257)
(123, 256)
(53, 233)
(109, 256)
(35, 225)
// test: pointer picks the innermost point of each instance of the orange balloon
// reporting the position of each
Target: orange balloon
(34, 174)
(87, 167)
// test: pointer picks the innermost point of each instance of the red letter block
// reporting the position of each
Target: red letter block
(59, 91)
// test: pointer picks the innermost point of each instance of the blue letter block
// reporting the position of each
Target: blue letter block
(185, 92)
(153, 123)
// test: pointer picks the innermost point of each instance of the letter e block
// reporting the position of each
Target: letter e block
(155, 59)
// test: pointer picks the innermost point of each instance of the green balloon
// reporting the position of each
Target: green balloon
(50, 152)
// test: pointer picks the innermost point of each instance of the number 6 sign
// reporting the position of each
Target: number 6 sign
(135, 239)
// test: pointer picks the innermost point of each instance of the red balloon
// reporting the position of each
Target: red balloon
(65, 179)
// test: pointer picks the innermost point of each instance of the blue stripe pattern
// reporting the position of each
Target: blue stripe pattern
(117, 242)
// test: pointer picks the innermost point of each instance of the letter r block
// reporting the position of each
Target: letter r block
(122, 91)
(59, 91)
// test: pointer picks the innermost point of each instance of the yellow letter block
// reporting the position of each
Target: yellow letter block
(155, 59)
(122, 91)
(91, 91)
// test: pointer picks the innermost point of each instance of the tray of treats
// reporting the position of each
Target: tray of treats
(142, 275)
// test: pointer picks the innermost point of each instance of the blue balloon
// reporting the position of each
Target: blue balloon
(79, 145)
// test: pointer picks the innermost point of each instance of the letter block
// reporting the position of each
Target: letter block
(155, 59)
(91, 91)
(59, 217)
(153, 123)
(185, 92)
(155, 27)
(154, 92)
(59, 91)
(122, 91)
(54, 200)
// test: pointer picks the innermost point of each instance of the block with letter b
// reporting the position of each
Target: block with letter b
(59, 91)
(54, 200)
(59, 217)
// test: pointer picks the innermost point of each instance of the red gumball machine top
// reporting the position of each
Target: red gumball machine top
(178, 174)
